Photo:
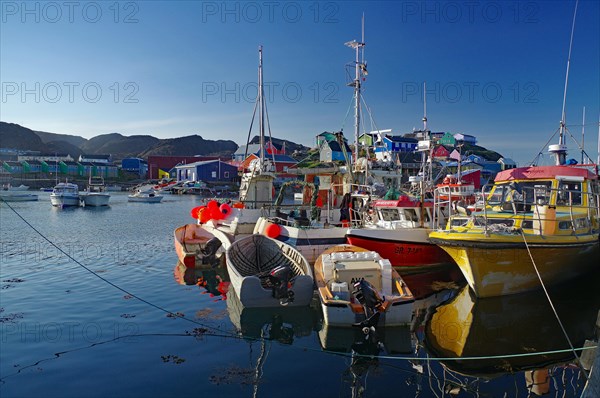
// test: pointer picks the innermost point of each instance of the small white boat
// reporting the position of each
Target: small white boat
(95, 193)
(65, 194)
(19, 188)
(200, 246)
(359, 288)
(147, 196)
(265, 272)
(16, 196)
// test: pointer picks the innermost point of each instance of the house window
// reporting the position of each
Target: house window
(214, 174)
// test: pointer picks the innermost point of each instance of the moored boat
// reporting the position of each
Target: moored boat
(357, 287)
(399, 232)
(65, 194)
(146, 196)
(267, 273)
(95, 193)
(536, 219)
(16, 196)
(200, 247)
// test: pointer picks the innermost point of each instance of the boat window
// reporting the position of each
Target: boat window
(527, 224)
(410, 215)
(569, 193)
(497, 195)
(459, 222)
(389, 215)
(565, 225)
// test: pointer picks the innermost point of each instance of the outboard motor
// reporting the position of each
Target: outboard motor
(209, 252)
(367, 296)
(280, 278)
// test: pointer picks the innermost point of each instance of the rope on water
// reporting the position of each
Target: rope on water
(577, 359)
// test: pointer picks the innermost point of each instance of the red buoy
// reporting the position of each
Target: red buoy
(272, 231)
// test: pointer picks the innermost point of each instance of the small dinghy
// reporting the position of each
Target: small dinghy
(265, 272)
(200, 246)
(359, 288)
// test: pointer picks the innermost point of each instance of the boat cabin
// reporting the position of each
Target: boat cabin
(405, 212)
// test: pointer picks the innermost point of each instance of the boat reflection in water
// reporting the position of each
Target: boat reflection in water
(281, 324)
(215, 281)
(505, 327)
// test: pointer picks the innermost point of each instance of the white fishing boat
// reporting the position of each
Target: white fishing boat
(65, 194)
(359, 288)
(145, 196)
(95, 194)
(17, 196)
(265, 272)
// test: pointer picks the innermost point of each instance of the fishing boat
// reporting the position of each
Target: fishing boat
(200, 247)
(146, 196)
(17, 196)
(65, 194)
(95, 193)
(536, 220)
(265, 272)
(399, 231)
(303, 226)
(358, 287)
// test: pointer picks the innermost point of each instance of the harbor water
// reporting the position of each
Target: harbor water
(93, 303)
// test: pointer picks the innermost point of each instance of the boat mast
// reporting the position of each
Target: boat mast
(560, 150)
(583, 137)
(359, 66)
(261, 103)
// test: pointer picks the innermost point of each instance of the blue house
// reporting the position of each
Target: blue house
(135, 165)
(207, 171)
(393, 145)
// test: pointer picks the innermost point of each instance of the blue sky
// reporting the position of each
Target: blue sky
(494, 69)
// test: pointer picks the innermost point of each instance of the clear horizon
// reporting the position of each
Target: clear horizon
(495, 70)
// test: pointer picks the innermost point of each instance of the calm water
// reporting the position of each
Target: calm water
(67, 333)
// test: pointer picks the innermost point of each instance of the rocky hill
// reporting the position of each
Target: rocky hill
(119, 146)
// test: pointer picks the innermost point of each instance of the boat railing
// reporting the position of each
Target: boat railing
(525, 199)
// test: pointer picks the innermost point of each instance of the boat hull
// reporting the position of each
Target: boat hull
(145, 199)
(407, 249)
(499, 265)
(64, 200)
(95, 199)
(18, 197)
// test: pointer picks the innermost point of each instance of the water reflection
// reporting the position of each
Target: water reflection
(279, 323)
(214, 281)
(514, 325)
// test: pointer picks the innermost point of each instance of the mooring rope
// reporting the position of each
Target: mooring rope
(578, 360)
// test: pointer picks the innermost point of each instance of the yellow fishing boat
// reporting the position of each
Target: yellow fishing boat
(539, 219)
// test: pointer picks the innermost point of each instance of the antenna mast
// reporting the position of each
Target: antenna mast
(360, 69)
(560, 149)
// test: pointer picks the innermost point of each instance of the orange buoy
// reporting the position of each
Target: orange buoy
(273, 230)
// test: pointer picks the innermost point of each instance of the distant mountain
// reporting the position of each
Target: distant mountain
(19, 137)
(73, 140)
(190, 146)
(119, 146)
